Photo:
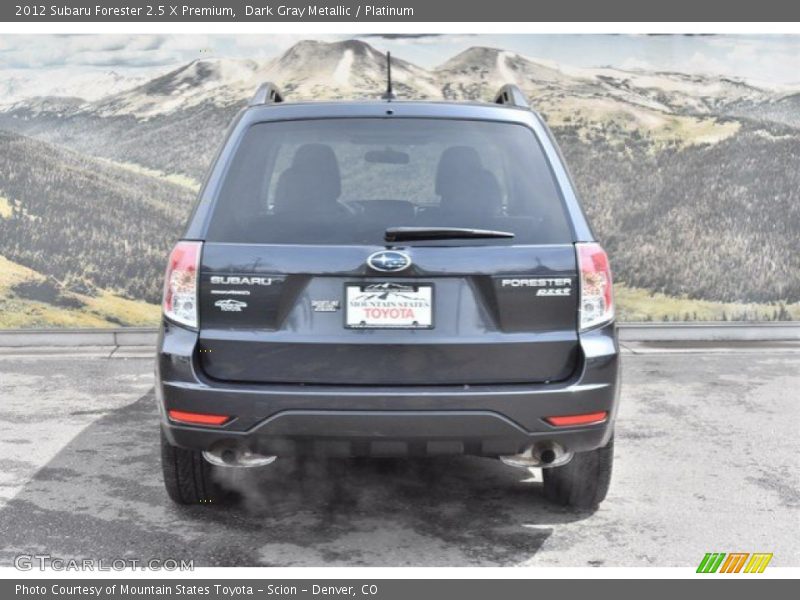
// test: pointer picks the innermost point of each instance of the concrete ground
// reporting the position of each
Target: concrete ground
(706, 460)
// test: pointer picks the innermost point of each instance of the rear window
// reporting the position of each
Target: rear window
(345, 181)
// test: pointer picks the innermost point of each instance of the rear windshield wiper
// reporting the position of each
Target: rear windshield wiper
(399, 234)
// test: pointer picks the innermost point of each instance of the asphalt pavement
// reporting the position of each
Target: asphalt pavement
(706, 460)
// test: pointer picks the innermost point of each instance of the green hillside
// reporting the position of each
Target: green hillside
(29, 299)
(86, 223)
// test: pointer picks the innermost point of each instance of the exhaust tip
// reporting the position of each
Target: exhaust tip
(548, 456)
(227, 456)
(542, 454)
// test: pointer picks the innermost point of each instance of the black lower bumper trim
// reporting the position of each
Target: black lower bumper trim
(388, 433)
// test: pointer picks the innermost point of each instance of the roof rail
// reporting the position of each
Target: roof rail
(511, 95)
(267, 93)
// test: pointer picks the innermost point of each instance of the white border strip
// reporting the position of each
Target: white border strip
(347, 27)
(378, 573)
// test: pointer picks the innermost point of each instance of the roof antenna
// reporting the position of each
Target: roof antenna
(389, 94)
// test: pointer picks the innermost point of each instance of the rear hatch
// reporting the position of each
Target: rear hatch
(298, 283)
(499, 315)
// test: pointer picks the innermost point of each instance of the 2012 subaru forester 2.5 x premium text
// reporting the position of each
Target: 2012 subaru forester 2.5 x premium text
(387, 278)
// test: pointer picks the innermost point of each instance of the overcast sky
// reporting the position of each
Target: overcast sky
(765, 59)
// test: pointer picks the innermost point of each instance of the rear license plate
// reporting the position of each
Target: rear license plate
(389, 306)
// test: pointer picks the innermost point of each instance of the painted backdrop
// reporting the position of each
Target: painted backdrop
(685, 149)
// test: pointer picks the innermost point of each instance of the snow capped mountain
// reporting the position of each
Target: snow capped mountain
(202, 75)
(315, 70)
(478, 72)
(56, 106)
(675, 91)
(348, 69)
(221, 81)
(17, 85)
(308, 70)
(478, 69)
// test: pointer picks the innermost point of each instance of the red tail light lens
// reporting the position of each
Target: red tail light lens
(572, 420)
(198, 418)
(180, 284)
(597, 296)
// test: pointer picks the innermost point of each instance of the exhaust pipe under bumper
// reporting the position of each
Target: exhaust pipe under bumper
(543, 455)
(232, 456)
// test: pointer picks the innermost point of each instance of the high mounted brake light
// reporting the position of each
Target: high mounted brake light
(597, 296)
(180, 284)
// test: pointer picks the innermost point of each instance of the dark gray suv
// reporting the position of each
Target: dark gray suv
(387, 278)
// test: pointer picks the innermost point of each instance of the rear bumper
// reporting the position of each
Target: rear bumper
(488, 420)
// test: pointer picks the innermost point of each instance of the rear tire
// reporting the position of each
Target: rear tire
(187, 476)
(583, 482)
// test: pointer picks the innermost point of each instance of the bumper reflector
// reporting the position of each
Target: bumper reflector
(197, 418)
(585, 419)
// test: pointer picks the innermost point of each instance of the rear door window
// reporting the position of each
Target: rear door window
(345, 181)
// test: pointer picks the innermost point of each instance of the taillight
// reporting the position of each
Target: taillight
(597, 297)
(180, 284)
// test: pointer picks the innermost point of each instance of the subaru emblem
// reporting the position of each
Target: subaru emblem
(389, 260)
